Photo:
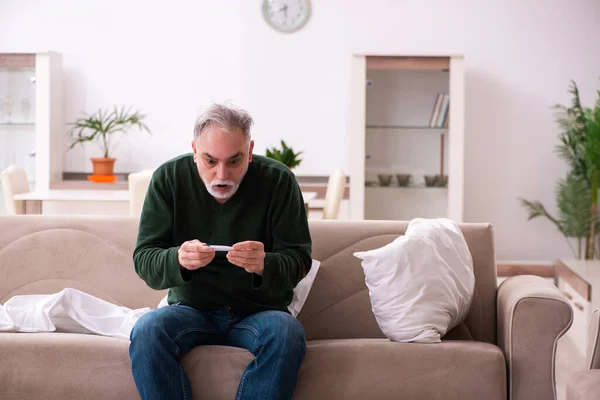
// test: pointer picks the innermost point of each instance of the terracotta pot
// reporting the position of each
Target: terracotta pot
(103, 166)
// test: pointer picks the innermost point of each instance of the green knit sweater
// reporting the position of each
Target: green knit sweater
(268, 207)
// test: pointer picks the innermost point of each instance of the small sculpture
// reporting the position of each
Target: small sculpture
(8, 105)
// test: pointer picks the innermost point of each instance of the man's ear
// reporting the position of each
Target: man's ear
(250, 151)
(194, 150)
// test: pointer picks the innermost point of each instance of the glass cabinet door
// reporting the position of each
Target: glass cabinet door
(17, 119)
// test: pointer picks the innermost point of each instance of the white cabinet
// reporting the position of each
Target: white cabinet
(579, 281)
(32, 127)
(394, 132)
(581, 315)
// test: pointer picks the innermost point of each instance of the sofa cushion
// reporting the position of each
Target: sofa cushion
(421, 284)
(64, 366)
(367, 369)
(75, 366)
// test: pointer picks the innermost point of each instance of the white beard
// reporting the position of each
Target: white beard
(220, 195)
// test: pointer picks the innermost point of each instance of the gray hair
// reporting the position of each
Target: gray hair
(227, 116)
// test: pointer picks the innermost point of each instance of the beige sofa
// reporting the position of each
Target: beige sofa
(504, 350)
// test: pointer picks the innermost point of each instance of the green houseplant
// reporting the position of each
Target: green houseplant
(577, 193)
(102, 128)
(285, 154)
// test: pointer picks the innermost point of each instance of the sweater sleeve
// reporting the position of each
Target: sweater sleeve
(155, 257)
(289, 260)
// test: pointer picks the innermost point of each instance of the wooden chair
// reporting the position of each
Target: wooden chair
(334, 194)
(138, 183)
(14, 181)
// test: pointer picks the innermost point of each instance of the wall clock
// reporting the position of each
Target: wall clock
(286, 15)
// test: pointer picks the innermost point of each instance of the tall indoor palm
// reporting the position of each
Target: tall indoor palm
(577, 194)
(591, 152)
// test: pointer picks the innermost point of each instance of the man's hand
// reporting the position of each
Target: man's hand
(249, 255)
(194, 254)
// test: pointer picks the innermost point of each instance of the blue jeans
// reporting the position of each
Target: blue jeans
(162, 336)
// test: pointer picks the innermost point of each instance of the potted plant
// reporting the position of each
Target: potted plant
(577, 193)
(101, 128)
(285, 154)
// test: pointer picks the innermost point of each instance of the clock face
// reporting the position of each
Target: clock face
(286, 15)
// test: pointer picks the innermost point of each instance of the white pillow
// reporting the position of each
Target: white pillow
(420, 285)
(300, 292)
(164, 301)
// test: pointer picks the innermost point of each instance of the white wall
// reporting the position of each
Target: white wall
(170, 59)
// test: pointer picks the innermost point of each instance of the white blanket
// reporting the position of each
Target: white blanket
(69, 310)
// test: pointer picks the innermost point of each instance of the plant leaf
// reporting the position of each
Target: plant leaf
(573, 198)
(285, 155)
(103, 124)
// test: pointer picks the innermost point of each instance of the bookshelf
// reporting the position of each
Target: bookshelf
(17, 124)
(407, 119)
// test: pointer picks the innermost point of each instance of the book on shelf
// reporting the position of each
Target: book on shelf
(447, 117)
(439, 114)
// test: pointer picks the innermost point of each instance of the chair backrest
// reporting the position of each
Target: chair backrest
(14, 181)
(138, 183)
(334, 194)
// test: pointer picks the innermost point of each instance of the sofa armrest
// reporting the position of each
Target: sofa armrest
(532, 316)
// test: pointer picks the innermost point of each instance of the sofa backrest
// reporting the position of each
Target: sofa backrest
(45, 254)
(339, 305)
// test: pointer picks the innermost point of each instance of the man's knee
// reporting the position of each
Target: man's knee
(292, 327)
(286, 331)
(148, 327)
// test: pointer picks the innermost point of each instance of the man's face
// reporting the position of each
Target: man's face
(222, 159)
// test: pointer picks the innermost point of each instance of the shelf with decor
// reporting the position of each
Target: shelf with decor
(9, 124)
(406, 137)
(407, 127)
(376, 185)
(407, 118)
(31, 115)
